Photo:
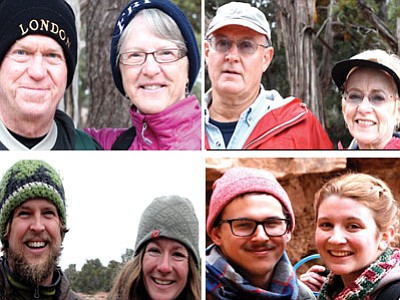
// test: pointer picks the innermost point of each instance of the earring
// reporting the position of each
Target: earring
(383, 245)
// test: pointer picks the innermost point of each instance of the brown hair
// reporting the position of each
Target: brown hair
(129, 283)
(367, 190)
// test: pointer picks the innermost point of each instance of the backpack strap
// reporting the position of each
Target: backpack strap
(125, 139)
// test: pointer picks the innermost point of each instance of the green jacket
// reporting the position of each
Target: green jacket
(12, 289)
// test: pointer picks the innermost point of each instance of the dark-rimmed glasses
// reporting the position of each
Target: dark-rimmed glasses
(135, 57)
(375, 98)
(244, 227)
(223, 44)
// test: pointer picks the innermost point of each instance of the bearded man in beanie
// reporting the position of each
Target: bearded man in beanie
(32, 229)
(38, 53)
(250, 222)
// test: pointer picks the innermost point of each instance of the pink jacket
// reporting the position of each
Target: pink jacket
(176, 128)
(393, 144)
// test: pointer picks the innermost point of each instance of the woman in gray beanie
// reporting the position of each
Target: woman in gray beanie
(166, 263)
(155, 61)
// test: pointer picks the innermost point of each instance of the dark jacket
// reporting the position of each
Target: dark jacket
(13, 289)
(67, 137)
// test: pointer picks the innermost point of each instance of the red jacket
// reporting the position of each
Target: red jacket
(291, 126)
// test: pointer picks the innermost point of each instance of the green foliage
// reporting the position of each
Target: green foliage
(94, 277)
(127, 255)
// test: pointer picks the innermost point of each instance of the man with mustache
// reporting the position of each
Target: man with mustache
(239, 112)
(250, 221)
(32, 229)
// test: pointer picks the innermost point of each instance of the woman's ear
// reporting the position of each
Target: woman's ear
(387, 238)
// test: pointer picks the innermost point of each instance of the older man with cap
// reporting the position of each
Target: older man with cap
(370, 86)
(38, 53)
(240, 113)
(250, 221)
(32, 229)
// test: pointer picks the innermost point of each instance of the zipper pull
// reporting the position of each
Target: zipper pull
(146, 140)
(36, 294)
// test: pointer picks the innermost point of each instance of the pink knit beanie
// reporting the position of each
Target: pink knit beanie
(238, 181)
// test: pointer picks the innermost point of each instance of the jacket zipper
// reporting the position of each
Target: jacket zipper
(146, 140)
(36, 295)
(277, 127)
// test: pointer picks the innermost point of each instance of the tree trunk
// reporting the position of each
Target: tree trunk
(326, 58)
(398, 31)
(295, 21)
(107, 107)
(70, 103)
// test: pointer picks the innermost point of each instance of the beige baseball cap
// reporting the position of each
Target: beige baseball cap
(242, 14)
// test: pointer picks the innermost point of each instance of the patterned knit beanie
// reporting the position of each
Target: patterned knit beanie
(53, 18)
(238, 181)
(27, 180)
(171, 217)
(130, 11)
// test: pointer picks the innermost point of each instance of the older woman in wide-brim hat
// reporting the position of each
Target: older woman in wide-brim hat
(370, 86)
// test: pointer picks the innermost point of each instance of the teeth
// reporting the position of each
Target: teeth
(151, 87)
(340, 253)
(364, 122)
(163, 282)
(36, 244)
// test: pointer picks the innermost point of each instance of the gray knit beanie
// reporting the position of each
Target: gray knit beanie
(27, 180)
(172, 217)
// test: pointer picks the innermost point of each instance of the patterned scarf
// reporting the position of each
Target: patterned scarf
(224, 283)
(361, 288)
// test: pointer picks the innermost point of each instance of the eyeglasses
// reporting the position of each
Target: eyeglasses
(375, 98)
(244, 227)
(135, 58)
(245, 47)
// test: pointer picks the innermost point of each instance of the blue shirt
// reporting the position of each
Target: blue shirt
(266, 101)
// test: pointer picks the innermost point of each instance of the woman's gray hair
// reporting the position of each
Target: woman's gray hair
(159, 24)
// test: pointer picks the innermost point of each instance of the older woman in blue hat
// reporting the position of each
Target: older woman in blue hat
(155, 61)
(370, 86)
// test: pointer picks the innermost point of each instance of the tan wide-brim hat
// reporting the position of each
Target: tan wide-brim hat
(377, 59)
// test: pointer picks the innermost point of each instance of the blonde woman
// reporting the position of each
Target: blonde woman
(357, 227)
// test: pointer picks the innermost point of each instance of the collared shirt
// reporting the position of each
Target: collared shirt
(266, 101)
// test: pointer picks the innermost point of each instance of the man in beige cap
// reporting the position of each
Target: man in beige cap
(240, 113)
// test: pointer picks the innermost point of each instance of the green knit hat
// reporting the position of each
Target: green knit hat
(27, 180)
(172, 217)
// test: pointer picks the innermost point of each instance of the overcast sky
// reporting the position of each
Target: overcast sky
(106, 193)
